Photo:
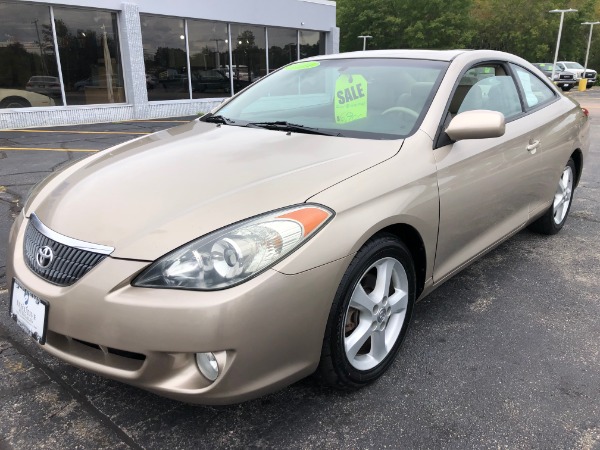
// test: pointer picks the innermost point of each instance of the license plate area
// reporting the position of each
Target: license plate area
(29, 311)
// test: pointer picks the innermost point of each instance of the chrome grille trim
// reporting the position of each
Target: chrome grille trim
(72, 258)
(66, 240)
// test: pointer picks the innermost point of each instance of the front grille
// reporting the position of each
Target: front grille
(67, 264)
(566, 77)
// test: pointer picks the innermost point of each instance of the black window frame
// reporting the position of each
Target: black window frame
(442, 139)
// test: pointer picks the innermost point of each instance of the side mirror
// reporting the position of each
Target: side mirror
(477, 124)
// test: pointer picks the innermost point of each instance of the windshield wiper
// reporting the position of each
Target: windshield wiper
(217, 119)
(282, 125)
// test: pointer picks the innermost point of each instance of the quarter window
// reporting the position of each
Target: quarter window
(536, 91)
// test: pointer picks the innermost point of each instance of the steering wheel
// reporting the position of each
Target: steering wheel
(401, 109)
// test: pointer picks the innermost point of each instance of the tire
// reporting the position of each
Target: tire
(566, 89)
(14, 102)
(366, 325)
(556, 215)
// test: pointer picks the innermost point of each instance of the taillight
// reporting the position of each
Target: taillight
(585, 111)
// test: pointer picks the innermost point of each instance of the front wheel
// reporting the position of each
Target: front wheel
(555, 217)
(370, 314)
(14, 102)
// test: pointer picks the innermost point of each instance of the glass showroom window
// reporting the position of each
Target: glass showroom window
(88, 45)
(165, 58)
(283, 47)
(312, 43)
(248, 53)
(209, 58)
(28, 72)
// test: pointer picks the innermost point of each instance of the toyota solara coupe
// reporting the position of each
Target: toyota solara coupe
(290, 231)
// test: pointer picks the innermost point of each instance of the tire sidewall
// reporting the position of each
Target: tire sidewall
(384, 246)
(557, 227)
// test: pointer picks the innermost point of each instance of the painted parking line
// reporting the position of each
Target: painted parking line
(43, 149)
(74, 132)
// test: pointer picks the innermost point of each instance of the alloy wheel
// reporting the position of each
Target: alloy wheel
(562, 198)
(376, 313)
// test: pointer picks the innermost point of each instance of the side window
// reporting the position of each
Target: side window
(486, 87)
(535, 90)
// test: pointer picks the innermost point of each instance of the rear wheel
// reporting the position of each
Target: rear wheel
(370, 314)
(555, 217)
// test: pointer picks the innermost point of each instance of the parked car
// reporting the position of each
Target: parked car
(44, 85)
(292, 232)
(577, 70)
(563, 79)
(97, 81)
(17, 98)
(212, 80)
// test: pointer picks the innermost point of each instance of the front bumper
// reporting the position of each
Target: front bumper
(565, 83)
(266, 333)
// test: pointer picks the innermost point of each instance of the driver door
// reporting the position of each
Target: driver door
(484, 186)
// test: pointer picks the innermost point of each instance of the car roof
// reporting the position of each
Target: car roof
(438, 55)
(435, 55)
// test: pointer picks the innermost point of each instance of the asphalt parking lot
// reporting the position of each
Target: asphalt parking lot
(504, 355)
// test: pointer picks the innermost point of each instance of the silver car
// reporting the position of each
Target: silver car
(290, 231)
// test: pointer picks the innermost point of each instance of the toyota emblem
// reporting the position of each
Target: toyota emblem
(44, 257)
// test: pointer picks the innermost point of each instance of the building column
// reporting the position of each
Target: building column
(333, 41)
(134, 72)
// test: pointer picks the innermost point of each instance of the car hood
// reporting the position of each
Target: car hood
(149, 196)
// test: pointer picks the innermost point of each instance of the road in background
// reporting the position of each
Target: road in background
(505, 354)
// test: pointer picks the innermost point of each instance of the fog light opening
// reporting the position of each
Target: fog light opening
(207, 364)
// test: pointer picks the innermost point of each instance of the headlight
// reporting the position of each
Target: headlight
(236, 253)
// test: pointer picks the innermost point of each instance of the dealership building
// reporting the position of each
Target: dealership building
(77, 61)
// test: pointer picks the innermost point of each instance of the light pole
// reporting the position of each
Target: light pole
(562, 16)
(587, 53)
(364, 38)
(218, 58)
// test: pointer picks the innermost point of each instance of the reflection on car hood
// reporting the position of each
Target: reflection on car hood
(151, 195)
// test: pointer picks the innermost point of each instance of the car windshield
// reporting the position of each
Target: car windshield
(573, 65)
(363, 98)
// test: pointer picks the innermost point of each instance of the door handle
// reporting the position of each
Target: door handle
(532, 147)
